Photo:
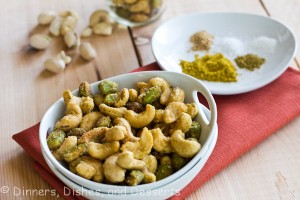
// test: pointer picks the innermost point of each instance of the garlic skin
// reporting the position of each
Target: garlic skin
(45, 18)
(39, 41)
(86, 51)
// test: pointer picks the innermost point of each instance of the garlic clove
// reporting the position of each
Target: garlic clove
(39, 41)
(46, 18)
(86, 51)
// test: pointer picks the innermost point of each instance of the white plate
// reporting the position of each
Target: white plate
(163, 192)
(170, 44)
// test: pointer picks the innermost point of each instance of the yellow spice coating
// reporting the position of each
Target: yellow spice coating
(214, 67)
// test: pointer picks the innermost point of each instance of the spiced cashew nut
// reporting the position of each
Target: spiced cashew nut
(111, 111)
(165, 88)
(161, 143)
(112, 171)
(173, 111)
(186, 148)
(102, 151)
(119, 121)
(122, 98)
(126, 160)
(183, 123)
(141, 148)
(72, 118)
(139, 120)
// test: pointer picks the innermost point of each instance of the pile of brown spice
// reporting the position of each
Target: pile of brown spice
(201, 41)
(249, 61)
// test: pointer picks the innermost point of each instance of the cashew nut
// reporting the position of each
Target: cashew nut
(68, 24)
(85, 170)
(87, 52)
(165, 87)
(139, 120)
(89, 120)
(142, 147)
(94, 135)
(98, 176)
(150, 169)
(122, 98)
(111, 111)
(183, 123)
(58, 63)
(142, 87)
(186, 148)
(151, 163)
(161, 143)
(133, 94)
(74, 152)
(126, 160)
(129, 136)
(173, 111)
(113, 172)
(103, 28)
(115, 133)
(102, 151)
(68, 143)
(98, 99)
(192, 110)
(159, 113)
(72, 118)
(95, 163)
(177, 95)
(99, 16)
(87, 104)
(87, 32)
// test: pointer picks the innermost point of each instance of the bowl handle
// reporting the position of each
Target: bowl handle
(211, 122)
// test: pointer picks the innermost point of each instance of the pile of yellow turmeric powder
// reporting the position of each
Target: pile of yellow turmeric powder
(214, 67)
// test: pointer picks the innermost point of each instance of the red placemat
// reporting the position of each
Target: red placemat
(244, 120)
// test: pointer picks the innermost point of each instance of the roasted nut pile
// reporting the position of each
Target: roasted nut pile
(126, 136)
(137, 10)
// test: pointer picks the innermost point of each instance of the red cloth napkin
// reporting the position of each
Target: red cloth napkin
(244, 120)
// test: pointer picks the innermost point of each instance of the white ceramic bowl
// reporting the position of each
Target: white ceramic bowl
(160, 193)
(190, 85)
